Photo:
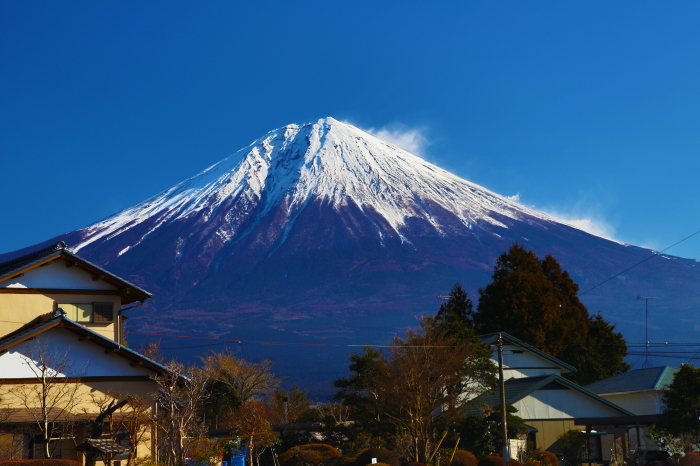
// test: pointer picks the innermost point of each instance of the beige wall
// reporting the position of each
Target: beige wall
(17, 309)
(84, 407)
(549, 431)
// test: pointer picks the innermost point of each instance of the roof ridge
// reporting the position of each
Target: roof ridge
(59, 246)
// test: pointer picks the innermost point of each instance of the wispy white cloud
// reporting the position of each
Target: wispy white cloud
(588, 221)
(413, 140)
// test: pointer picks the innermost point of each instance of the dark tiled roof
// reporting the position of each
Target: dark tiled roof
(30, 415)
(17, 265)
(652, 378)
(492, 338)
(57, 319)
(101, 445)
(517, 389)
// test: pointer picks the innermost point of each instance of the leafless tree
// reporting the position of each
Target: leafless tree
(180, 392)
(135, 419)
(247, 379)
(418, 385)
(337, 411)
(52, 397)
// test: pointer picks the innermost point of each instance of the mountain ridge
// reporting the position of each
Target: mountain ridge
(321, 232)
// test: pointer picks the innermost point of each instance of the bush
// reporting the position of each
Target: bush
(514, 462)
(382, 454)
(690, 459)
(464, 458)
(415, 463)
(313, 454)
(544, 458)
(491, 461)
(532, 463)
(49, 462)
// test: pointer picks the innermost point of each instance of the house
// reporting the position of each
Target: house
(549, 403)
(62, 336)
(639, 391)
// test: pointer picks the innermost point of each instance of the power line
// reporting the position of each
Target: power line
(655, 254)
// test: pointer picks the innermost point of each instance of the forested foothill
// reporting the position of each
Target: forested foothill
(408, 403)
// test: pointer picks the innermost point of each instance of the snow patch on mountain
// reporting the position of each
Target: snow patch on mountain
(330, 161)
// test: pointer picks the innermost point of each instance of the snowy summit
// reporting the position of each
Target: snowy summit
(330, 162)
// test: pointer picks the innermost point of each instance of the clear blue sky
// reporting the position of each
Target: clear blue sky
(590, 110)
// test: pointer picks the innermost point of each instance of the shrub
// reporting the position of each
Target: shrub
(690, 459)
(47, 462)
(415, 463)
(491, 461)
(464, 458)
(545, 458)
(382, 454)
(377, 464)
(514, 462)
(532, 462)
(313, 454)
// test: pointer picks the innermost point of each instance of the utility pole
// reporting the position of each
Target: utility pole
(646, 299)
(501, 383)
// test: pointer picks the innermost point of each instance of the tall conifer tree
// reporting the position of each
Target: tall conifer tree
(536, 301)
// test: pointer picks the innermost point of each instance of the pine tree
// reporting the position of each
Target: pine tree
(602, 355)
(522, 300)
(536, 301)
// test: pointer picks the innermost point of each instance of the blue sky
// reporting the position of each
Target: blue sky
(587, 110)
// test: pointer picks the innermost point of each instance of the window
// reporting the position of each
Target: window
(87, 313)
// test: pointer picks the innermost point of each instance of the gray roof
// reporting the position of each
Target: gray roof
(58, 319)
(101, 445)
(517, 389)
(653, 378)
(33, 259)
(492, 338)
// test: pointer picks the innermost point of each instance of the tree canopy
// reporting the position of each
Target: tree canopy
(537, 301)
(681, 413)
(418, 386)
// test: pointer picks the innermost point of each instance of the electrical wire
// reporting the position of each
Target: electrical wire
(655, 254)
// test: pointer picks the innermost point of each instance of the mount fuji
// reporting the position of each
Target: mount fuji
(323, 234)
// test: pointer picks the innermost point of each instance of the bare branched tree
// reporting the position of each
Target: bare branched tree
(179, 395)
(336, 411)
(53, 395)
(246, 379)
(419, 384)
(135, 419)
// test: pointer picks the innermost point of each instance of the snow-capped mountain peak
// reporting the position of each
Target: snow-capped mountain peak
(329, 161)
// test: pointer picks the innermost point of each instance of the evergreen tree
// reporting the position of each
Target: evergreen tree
(532, 300)
(457, 311)
(537, 302)
(681, 413)
(481, 433)
(456, 319)
(602, 355)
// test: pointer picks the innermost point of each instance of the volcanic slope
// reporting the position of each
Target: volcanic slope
(323, 233)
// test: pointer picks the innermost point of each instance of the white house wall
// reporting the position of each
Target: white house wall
(57, 275)
(638, 402)
(527, 364)
(561, 404)
(88, 358)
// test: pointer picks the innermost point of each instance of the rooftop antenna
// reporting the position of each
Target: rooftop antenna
(646, 299)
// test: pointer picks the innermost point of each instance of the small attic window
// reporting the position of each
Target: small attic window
(89, 313)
